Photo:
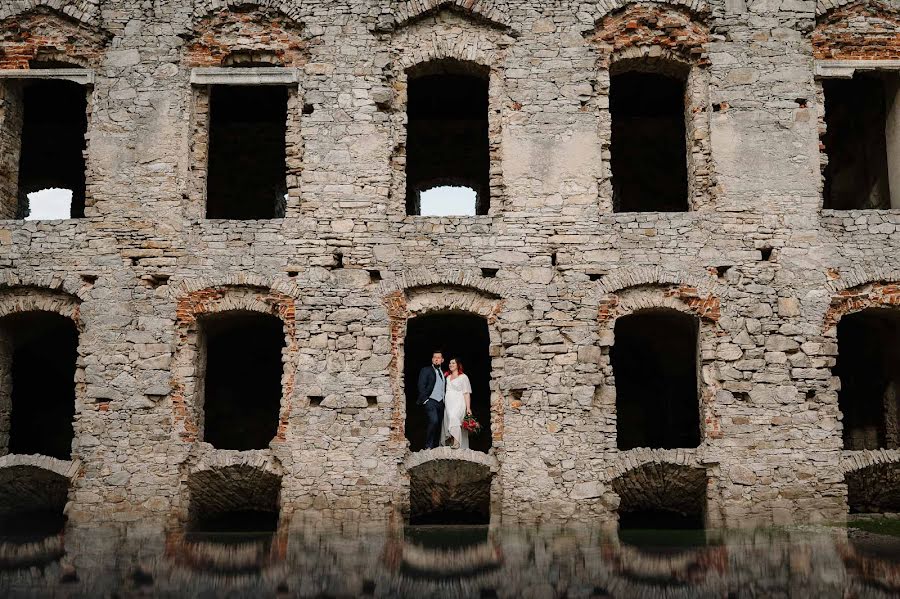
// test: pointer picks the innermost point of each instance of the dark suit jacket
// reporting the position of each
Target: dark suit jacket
(427, 379)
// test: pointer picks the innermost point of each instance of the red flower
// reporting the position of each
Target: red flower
(471, 425)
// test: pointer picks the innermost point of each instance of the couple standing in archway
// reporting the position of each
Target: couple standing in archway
(446, 399)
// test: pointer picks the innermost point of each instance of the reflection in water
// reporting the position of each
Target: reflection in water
(147, 559)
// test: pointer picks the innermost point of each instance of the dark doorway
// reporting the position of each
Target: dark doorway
(874, 490)
(649, 148)
(53, 142)
(654, 361)
(460, 335)
(447, 131)
(44, 350)
(242, 382)
(247, 176)
(868, 365)
(856, 175)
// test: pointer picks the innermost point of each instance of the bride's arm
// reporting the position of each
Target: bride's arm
(468, 395)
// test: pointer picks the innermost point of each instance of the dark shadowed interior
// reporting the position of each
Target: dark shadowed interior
(459, 335)
(868, 365)
(654, 361)
(447, 131)
(856, 175)
(53, 141)
(649, 149)
(44, 352)
(242, 383)
(247, 176)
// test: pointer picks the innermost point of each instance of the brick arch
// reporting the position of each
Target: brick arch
(636, 458)
(63, 283)
(85, 11)
(488, 12)
(221, 299)
(424, 298)
(234, 487)
(878, 292)
(27, 298)
(260, 31)
(680, 297)
(203, 8)
(27, 484)
(856, 30)
(663, 485)
(425, 277)
(876, 486)
(451, 479)
(866, 458)
(44, 33)
(632, 29)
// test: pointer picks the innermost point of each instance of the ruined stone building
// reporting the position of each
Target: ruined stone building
(678, 292)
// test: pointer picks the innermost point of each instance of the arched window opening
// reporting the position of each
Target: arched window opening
(38, 354)
(656, 497)
(50, 204)
(54, 126)
(247, 173)
(447, 130)
(460, 335)
(649, 146)
(448, 200)
(31, 504)
(868, 365)
(874, 489)
(450, 492)
(861, 148)
(242, 379)
(654, 361)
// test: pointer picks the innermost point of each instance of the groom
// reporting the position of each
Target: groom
(432, 387)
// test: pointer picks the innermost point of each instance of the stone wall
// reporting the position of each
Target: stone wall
(550, 266)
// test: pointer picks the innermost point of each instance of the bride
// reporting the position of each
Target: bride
(457, 403)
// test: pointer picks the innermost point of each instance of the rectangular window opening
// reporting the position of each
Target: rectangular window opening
(43, 128)
(860, 143)
(447, 146)
(247, 173)
(649, 146)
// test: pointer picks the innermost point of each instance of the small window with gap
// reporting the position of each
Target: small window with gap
(43, 125)
(447, 146)
(246, 172)
(862, 149)
(649, 146)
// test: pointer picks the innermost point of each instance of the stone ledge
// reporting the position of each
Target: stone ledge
(244, 76)
(852, 461)
(844, 69)
(66, 468)
(449, 454)
(80, 76)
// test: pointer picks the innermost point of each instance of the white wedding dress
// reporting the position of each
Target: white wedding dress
(455, 410)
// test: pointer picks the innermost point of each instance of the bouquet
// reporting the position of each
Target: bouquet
(471, 425)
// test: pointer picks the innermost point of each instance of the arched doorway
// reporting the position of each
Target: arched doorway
(457, 334)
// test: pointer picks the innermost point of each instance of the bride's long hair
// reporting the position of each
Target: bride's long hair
(459, 367)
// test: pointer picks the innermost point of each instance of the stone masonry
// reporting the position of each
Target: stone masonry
(766, 272)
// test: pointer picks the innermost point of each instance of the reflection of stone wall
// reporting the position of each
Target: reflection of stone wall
(759, 262)
(550, 562)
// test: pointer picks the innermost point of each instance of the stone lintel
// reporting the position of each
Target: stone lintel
(80, 76)
(244, 76)
(844, 69)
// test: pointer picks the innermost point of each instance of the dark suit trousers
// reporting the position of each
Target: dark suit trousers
(434, 413)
